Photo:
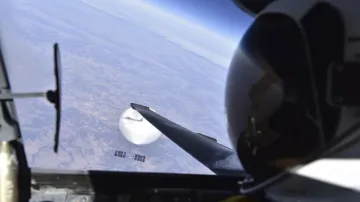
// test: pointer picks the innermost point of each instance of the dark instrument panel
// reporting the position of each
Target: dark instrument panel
(70, 186)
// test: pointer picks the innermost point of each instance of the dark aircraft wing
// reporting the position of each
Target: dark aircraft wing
(217, 157)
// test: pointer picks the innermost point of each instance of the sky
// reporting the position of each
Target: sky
(217, 15)
(192, 35)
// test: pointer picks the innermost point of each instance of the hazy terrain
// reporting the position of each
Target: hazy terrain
(110, 59)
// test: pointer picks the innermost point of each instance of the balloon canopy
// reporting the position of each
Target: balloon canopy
(136, 129)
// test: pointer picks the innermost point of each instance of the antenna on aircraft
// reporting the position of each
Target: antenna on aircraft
(53, 96)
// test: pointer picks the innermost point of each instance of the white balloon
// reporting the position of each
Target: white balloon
(136, 129)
